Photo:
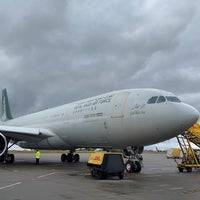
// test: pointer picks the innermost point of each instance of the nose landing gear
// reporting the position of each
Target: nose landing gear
(134, 163)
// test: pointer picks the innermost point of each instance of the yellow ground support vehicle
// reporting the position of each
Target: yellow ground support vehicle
(174, 153)
(104, 164)
(191, 158)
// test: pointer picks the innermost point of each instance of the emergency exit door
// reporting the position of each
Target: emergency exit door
(119, 105)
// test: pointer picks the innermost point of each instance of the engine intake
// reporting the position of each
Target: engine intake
(3, 144)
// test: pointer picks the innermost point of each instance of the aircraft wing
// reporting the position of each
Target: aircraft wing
(18, 133)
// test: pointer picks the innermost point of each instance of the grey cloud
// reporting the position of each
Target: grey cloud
(54, 52)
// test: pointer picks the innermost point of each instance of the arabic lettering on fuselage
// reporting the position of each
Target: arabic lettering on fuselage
(138, 110)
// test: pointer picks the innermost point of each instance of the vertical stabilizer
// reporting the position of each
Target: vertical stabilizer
(5, 108)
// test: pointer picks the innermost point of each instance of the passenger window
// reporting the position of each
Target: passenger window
(152, 100)
(161, 99)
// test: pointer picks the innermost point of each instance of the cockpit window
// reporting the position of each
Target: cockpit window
(156, 99)
(173, 99)
(161, 99)
(152, 100)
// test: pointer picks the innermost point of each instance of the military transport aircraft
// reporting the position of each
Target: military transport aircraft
(115, 120)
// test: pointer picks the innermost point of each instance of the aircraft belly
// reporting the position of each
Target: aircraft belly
(85, 134)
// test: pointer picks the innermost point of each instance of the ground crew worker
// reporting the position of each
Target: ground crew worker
(37, 157)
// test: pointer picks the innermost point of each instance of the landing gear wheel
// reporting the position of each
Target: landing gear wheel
(133, 166)
(137, 167)
(10, 158)
(76, 158)
(63, 157)
(69, 157)
(128, 166)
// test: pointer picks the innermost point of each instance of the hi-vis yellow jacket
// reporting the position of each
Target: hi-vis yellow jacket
(37, 154)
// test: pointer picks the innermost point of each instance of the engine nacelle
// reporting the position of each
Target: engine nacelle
(3, 144)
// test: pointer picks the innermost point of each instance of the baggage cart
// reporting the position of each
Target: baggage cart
(104, 164)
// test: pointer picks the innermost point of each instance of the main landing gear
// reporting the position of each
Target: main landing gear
(134, 163)
(70, 157)
(7, 158)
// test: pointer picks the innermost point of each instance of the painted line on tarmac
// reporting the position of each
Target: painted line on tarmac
(11, 185)
(176, 188)
(42, 176)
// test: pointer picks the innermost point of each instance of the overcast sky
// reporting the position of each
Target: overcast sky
(53, 52)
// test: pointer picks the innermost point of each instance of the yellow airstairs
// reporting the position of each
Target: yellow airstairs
(191, 157)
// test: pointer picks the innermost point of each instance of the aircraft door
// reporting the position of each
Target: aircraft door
(119, 105)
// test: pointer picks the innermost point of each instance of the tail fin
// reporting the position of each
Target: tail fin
(5, 108)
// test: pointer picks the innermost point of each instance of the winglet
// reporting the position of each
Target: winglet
(5, 108)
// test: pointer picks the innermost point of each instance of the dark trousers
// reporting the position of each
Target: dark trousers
(37, 161)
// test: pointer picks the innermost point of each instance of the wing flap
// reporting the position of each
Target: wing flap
(18, 133)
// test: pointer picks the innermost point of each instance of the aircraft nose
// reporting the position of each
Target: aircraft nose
(188, 116)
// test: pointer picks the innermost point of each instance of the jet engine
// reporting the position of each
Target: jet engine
(3, 144)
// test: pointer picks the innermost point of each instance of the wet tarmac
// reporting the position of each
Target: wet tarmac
(53, 180)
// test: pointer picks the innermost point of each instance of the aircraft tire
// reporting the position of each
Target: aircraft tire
(76, 158)
(63, 157)
(69, 157)
(137, 167)
(10, 158)
(129, 166)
